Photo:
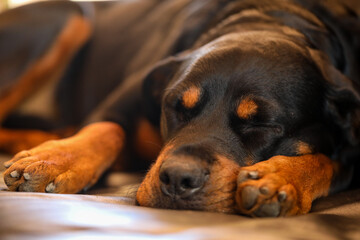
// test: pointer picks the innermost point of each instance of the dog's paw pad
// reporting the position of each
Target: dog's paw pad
(249, 196)
(271, 209)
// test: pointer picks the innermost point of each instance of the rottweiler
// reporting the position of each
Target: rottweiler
(248, 106)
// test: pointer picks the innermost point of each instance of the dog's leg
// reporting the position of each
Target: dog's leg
(14, 141)
(68, 165)
(71, 164)
(47, 51)
(283, 186)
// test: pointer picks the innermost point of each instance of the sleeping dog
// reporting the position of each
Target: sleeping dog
(248, 106)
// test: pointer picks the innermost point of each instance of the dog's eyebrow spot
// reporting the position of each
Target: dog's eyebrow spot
(303, 148)
(247, 108)
(191, 96)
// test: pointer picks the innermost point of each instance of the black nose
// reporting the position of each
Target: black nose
(182, 177)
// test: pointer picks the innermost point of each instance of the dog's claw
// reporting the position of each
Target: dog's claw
(7, 164)
(253, 175)
(14, 174)
(264, 190)
(27, 176)
(243, 176)
(282, 196)
(50, 187)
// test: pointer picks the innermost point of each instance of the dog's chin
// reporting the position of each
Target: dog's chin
(217, 195)
(212, 201)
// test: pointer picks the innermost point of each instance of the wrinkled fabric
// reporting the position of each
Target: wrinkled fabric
(109, 212)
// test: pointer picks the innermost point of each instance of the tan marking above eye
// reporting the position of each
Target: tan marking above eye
(246, 108)
(303, 148)
(191, 96)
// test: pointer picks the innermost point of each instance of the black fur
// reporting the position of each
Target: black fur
(298, 60)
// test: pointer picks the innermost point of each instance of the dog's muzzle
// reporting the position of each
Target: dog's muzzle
(182, 176)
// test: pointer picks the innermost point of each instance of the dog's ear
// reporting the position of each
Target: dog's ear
(342, 99)
(156, 82)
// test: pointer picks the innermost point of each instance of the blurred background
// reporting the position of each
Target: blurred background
(4, 4)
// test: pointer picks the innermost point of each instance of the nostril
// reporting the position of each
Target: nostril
(187, 182)
(182, 178)
(165, 178)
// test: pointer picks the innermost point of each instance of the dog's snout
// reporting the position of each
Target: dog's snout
(182, 177)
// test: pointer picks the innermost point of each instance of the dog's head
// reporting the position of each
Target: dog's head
(235, 101)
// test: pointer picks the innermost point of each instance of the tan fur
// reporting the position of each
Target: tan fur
(219, 190)
(303, 148)
(304, 178)
(147, 140)
(191, 97)
(150, 186)
(246, 108)
(71, 163)
(221, 186)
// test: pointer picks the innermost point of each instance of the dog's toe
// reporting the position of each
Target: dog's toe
(249, 196)
(17, 157)
(63, 183)
(264, 193)
(29, 173)
(50, 188)
(245, 175)
(271, 209)
(14, 173)
(41, 176)
(7, 164)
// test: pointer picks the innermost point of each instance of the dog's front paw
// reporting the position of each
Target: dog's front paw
(264, 190)
(68, 165)
(50, 167)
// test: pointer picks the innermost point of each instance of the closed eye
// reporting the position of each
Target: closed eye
(244, 126)
(183, 113)
(276, 128)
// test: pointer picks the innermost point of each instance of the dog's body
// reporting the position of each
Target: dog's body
(257, 102)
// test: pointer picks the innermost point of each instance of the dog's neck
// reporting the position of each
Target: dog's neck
(283, 17)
